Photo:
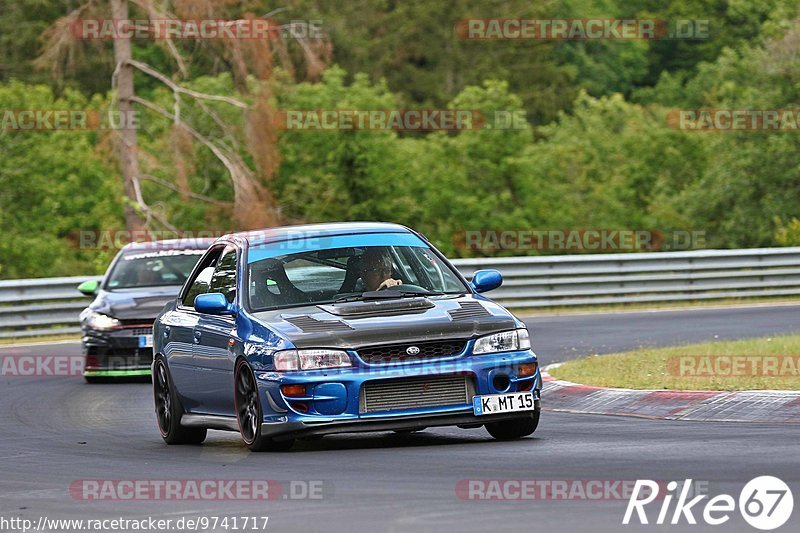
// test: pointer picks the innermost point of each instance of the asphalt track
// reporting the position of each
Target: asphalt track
(56, 431)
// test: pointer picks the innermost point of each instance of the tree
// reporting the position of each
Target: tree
(127, 143)
(249, 165)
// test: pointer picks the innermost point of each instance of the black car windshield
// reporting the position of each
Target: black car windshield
(324, 276)
(152, 268)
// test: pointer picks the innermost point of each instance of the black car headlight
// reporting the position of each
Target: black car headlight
(101, 322)
(506, 341)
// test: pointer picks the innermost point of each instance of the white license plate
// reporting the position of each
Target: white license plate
(503, 403)
(145, 341)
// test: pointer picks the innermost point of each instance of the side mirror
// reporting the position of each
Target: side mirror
(89, 287)
(213, 303)
(486, 280)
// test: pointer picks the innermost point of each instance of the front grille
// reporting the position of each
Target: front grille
(135, 332)
(119, 359)
(415, 393)
(399, 353)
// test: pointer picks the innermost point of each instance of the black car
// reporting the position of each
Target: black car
(117, 326)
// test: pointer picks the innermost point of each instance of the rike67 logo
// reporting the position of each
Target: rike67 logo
(765, 503)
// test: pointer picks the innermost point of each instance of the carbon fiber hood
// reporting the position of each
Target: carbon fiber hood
(134, 304)
(448, 318)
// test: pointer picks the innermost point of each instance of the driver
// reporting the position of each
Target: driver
(148, 276)
(376, 270)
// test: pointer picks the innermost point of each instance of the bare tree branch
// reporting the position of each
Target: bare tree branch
(147, 69)
(146, 209)
(154, 13)
(191, 194)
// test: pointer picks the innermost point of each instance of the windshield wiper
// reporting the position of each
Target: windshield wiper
(414, 293)
(387, 294)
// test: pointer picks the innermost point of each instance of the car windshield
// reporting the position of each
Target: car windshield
(152, 269)
(327, 275)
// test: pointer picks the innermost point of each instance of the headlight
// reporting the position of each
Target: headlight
(310, 359)
(101, 321)
(507, 341)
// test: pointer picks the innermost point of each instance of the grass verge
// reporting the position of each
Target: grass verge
(43, 338)
(767, 363)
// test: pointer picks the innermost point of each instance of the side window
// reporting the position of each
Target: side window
(224, 278)
(202, 282)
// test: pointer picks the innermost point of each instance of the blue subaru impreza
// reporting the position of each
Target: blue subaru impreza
(311, 330)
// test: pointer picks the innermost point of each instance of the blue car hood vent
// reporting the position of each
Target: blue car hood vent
(310, 324)
(469, 311)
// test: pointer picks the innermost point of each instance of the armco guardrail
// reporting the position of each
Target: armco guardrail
(44, 306)
(601, 279)
(32, 307)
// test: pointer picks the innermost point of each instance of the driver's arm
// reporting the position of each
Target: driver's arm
(385, 284)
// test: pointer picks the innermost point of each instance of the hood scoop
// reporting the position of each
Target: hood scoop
(310, 325)
(379, 307)
(469, 310)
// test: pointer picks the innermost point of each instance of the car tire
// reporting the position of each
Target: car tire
(93, 380)
(249, 414)
(515, 428)
(169, 409)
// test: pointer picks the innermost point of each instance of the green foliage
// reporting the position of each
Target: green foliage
(753, 178)
(788, 234)
(595, 151)
(602, 66)
(54, 185)
(611, 164)
(439, 183)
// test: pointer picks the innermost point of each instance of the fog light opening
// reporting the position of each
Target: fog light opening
(501, 382)
(525, 386)
(300, 406)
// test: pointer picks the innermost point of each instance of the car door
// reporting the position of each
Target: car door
(179, 330)
(213, 353)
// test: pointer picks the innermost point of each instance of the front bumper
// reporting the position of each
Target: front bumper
(334, 399)
(290, 430)
(118, 352)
